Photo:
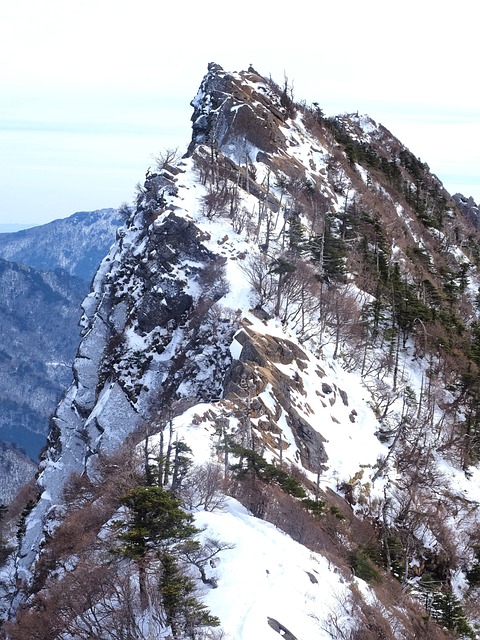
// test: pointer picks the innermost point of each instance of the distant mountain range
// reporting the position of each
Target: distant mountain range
(10, 228)
(45, 273)
(15, 469)
(75, 244)
(39, 335)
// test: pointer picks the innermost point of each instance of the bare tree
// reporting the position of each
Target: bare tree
(258, 272)
(166, 157)
(91, 602)
(199, 555)
(204, 487)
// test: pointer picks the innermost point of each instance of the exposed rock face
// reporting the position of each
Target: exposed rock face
(147, 337)
(240, 117)
(176, 240)
(470, 208)
(248, 293)
(255, 370)
(279, 628)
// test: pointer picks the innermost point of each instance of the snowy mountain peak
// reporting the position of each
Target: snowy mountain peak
(239, 113)
(284, 310)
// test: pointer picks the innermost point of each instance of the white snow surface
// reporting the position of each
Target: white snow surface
(266, 575)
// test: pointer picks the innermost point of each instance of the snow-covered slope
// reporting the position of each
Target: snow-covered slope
(269, 305)
(269, 585)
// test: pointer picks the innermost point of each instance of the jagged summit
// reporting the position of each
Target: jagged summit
(292, 304)
(469, 207)
(239, 113)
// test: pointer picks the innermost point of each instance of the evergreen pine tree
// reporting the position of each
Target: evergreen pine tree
(184, 613)
(156, 520)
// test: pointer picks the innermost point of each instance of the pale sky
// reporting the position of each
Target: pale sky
(92, 89)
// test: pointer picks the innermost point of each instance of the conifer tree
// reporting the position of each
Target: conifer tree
(184, 614)
(156, 520)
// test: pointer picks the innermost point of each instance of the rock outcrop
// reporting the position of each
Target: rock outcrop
(284, 299)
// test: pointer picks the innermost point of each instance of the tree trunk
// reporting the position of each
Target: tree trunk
(142, 582)
(167, 455)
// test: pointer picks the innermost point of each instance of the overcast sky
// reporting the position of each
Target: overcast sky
(92, 89)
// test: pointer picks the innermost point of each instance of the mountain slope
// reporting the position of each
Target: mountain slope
(293, 305)
(76, 244)
(39, 327)
(16, 468)
(39, 314)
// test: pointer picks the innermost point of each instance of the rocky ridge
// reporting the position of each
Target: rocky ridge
(242, 302)
(469, 207)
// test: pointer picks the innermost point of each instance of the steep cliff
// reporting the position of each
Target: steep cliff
(294, 301)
